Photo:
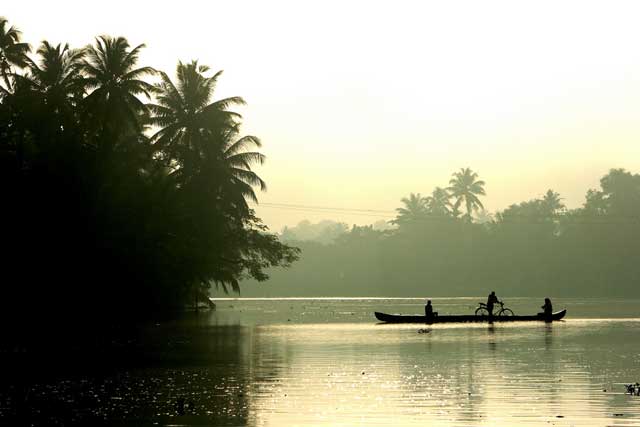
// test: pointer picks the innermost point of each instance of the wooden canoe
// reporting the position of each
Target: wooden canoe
(401, 318)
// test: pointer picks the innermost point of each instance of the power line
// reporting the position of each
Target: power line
(309, 210)
(518, 220)
(370, 213)
(288, 205)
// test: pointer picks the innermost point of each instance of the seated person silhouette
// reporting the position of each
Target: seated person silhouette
(428, 312)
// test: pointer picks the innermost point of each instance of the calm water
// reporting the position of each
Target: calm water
(327, 362)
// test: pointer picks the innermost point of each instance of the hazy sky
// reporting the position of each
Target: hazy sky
(360, 103)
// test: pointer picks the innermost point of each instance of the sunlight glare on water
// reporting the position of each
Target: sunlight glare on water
(312, 362)
(364, 373)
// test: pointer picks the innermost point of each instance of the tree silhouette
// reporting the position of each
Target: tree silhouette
(12, 51)
(57, 75)
(621, 193)
(57, 87)
(438, 203)
(115, 217)
(198, 137)
(415, 208)
(184, 111)
(552, 203)
(235, 164)
(532, 247)
(114, 83)
(465, 188)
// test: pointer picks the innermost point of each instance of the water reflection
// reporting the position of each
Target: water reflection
(452, 379)
(283, 373)
(193, 373)
(548, 335)
(491, 329)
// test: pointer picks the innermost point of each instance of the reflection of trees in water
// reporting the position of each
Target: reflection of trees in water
(546, 367)
(183, 372)
(549, 367)
(234, 375)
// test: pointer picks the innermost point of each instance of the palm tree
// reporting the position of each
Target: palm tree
(465, 187)
(229, 158)
(113, 105)
(185, 114)
(198, 137)
(57, 76)
(415, 208)
(438, 203)
(12, 50)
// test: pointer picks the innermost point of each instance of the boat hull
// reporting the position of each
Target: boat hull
(399, 318)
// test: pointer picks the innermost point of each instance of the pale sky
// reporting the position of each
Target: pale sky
(360, 103)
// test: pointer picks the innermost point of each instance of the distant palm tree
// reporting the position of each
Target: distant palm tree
(113, 104)
(12, 50)
(438, 203)
(415, 208)
(465, 187)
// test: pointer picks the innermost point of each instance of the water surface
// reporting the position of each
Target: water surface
(306, 362)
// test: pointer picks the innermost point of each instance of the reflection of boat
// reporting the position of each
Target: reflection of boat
(400, 318)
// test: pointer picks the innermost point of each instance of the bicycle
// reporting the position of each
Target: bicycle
(483, 311)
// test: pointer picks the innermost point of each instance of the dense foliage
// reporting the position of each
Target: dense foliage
(534, 248)
(122, 189)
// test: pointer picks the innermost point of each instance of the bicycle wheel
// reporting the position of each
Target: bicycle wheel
(505, 312)
(482, 311)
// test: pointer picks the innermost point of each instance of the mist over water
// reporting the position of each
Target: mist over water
(273, 362)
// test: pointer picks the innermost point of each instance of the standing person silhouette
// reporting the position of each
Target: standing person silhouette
(548, 308)
(491, 300)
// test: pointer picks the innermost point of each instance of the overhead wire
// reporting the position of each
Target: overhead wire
(334, 210)
(389, 215)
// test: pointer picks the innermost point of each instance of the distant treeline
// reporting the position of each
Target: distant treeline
(326, 231)
(445, 244)
(124, 190)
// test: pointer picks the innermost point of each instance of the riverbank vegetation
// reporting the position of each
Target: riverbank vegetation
(445, 244)
(125, 189)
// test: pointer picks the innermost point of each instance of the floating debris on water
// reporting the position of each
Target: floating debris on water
(633, 389)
